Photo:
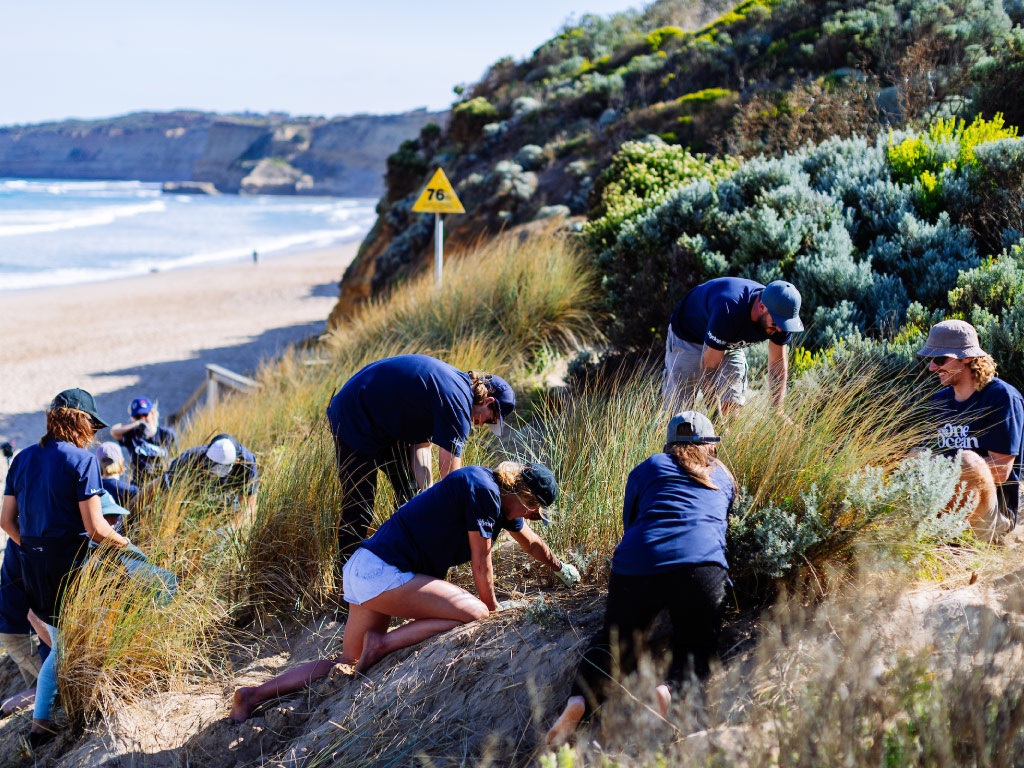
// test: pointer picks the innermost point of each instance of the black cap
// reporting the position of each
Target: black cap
(541, 483)
(80, 400)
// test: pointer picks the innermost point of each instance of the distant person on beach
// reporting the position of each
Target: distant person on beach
(52, 497)
(400, 570)
(387, 415)
(112, 474)
(255, 257)
(148, 443)
(672, 556)
(223, 467)
(981, 417)
(707, 334)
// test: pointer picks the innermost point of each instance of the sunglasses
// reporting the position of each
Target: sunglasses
(939, 361)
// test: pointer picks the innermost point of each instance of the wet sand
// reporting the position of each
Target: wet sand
(152, 335)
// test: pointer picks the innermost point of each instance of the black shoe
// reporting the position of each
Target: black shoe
(36, 740)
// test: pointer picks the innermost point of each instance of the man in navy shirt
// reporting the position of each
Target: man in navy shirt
(707, 334)
(148, 443)
(981, 417)
(386, 417)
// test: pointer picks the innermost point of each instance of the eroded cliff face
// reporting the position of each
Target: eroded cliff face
(273, 154)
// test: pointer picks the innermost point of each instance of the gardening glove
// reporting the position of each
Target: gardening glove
(568, 574)
(508, 605)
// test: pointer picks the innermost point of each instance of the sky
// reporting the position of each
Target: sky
(68, 58)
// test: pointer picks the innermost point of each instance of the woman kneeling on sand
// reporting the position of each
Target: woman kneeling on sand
(400, 570)
(672, 556)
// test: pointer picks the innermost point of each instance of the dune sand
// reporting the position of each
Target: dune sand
(152, 335)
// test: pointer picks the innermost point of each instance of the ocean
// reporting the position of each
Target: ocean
(56, 232)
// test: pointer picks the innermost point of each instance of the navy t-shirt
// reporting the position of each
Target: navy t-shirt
(717, 314)
(13, 600)
(669, 519)
(244, 477)
(430, 533)
(122, 491)
(148, 455)
(404, 399)
(989, 420)
(48, 481)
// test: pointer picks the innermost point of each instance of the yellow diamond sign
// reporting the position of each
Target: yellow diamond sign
(438, 196)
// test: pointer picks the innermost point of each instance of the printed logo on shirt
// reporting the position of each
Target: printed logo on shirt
(957, 437)
(728, 344)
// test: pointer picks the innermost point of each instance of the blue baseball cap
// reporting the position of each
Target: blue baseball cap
(783, 301)
(503, 395)
(141, 406)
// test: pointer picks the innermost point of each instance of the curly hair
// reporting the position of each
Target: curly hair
(509, 476)
(697, 461)
(983, 370)
(480, 384)
(69, 425)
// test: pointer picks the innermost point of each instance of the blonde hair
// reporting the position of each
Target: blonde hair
(479, 383)
(509, 476)
(69, 425)
(111, 469)
(697, 460)
(983, 370)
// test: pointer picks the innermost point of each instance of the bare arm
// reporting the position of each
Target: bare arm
(422, 470)
(118, 431)
(778, 372)
(9, 519)
(1001, 465)
(99, 529)
(483, 569)
(446, 463)
(536, 547)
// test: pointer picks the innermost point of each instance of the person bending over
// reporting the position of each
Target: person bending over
(386, 417)
(982, 417)
(672, 556)
(400, 570)
(707, 334)
(223, 467)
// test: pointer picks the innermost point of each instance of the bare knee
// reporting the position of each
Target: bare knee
(976, 476)
(477, 610)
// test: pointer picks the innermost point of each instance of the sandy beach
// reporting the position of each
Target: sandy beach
(152, 335)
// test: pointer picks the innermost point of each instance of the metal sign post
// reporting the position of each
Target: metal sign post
(438, 197)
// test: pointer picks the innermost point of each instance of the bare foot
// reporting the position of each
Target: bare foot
(242, 705)
(373, 650)
(664, 697)
(567, 723)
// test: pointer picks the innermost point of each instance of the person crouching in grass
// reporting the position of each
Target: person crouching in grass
(400, 570)
(672, 556)
(980, 417)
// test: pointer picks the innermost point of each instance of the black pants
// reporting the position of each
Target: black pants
(48, 566)
(694, 597)
(358, 475)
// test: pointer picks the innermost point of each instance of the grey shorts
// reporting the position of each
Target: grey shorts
(365, 576)
(681, 380)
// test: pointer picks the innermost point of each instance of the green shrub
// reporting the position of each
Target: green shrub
(657, 39)
(639, 176)
(469, 118)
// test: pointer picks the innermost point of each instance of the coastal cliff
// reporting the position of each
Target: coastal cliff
(273, 154)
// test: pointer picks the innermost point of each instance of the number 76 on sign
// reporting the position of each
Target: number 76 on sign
(438, 198)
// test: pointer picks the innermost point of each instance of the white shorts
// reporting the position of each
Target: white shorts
(365, 576)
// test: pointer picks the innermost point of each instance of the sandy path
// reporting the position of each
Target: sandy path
(152, 335)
